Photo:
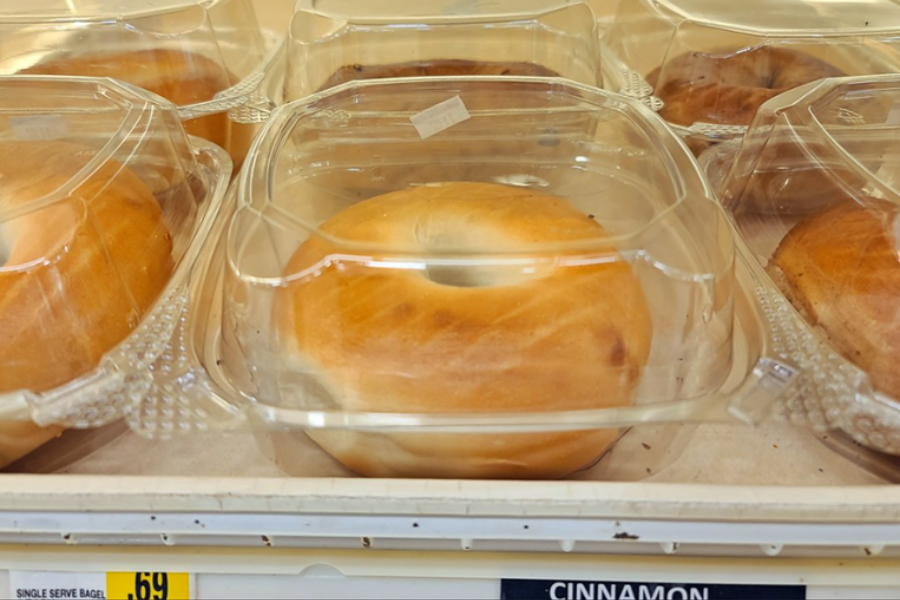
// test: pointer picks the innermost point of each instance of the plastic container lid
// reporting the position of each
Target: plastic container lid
(102, 203)
(713, 63)
(72, 10)
(394, 11)
(206, 56)
(335, 41)
(605, 12)
(777, 17)
(814, 190)
(666, 346)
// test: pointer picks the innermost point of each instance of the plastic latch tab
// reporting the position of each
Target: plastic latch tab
(91, 401)
(772, 381)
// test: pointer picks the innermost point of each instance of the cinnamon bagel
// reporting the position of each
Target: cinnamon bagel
(183, 78)
(727, 88)
(76, 275)
(840, 268)
(570, 331)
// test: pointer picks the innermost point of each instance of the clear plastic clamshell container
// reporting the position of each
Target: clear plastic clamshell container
(605, 13)
(336, 41)
(206, 56)
(814, 192)
(713, 63)
(500, 298)
(103, 203)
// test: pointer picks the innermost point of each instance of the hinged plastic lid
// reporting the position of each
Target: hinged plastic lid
(813, 191)
(69, 10)
(800, 18)
(404, 11)
(104, 170)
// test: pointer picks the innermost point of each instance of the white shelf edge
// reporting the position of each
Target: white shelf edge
(418, 532)
(867, 504)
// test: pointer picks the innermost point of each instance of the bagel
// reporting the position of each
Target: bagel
(77, 275)
(727, 88)
(839, 267)
(436, 68)
(478, 339)
(183, 78)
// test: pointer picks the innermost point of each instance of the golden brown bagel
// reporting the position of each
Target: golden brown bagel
(840, 267)
(728, 89)
(183, 78)
(490, 339)
(436, 68)
(77, 275)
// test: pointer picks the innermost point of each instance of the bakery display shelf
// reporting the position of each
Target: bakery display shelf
(221, 490)
(775, 508)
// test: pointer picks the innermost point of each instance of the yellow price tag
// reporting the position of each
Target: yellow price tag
(148, 586)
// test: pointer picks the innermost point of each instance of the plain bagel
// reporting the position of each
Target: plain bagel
(480, 339)
(76, 275)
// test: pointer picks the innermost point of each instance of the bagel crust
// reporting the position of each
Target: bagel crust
(729, 89)
(183, 78)
(483, 339)
(436, 68)
(840, 268)
(78, 274)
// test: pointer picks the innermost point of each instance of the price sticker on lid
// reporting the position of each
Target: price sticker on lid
(39, 127)
(440, 117)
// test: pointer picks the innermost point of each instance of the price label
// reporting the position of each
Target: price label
(148, 586)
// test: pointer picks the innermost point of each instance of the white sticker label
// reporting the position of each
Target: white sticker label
(440, 117)
(39, 127)
(45, 585)
(893, 117)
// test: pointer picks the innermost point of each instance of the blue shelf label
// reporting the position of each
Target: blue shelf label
(523, 589)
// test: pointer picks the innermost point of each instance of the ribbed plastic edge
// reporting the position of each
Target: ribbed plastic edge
(712, 131)
(831, 392)
(620, 79)
(123, 376)
(181, 398)
(249, 100)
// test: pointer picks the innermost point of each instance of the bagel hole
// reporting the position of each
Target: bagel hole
(477, 277)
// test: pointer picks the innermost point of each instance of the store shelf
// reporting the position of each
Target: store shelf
(223, 491)
(216, 507)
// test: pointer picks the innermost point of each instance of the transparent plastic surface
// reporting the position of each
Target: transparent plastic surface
(641, 452)
(504, 295)
(605, 13)
(102, 200)
(712, 64)
(336, 41)
(813, 191)
(206, 56)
